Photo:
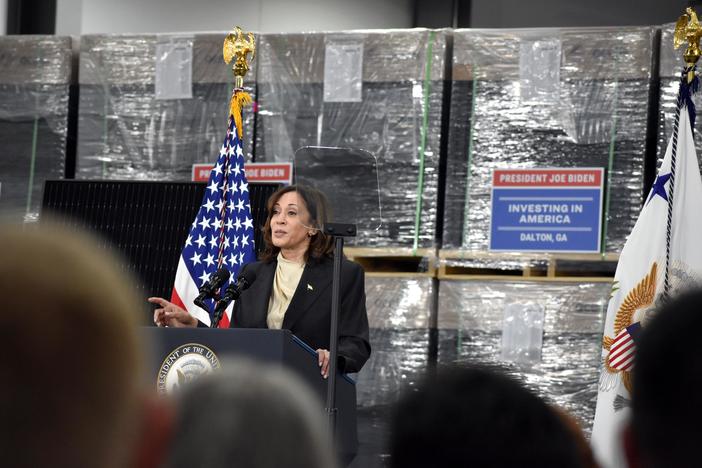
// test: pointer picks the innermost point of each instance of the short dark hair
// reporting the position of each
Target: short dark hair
(321, 245)
(667, 379)
(477, 416)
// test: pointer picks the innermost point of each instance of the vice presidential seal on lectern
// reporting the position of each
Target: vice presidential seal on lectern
(184, 364)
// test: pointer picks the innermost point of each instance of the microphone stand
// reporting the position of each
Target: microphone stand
(337, 231)
(217, 316)
(201, 304)
(220, 308)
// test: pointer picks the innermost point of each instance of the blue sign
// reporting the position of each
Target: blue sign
(546, 210)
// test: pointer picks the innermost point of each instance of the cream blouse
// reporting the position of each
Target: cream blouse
(287, 276)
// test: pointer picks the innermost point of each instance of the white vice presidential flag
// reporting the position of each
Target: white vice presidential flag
(641, 279)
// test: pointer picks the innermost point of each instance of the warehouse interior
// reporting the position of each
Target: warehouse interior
(448, 92)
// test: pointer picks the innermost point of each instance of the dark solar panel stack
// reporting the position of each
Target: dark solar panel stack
(35, 76)
(145, 222)
(397, 116)
(547, 98)
(127, 132)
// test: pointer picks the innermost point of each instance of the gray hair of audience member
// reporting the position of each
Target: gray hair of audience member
(250, 415)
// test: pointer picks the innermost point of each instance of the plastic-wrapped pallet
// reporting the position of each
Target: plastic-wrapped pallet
(547, 98)
(477, 324)
(151, 106)
(671, 65)
(381, 91)
(35, 77)
(399, 311)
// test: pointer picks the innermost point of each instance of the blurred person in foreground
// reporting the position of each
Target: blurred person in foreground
(571, 423)
(293, 286)
(71, 391)
(666, 403)
(249, 415)
(476, 416)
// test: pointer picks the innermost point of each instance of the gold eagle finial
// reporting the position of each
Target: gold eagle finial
(688, 29)
(237, 46)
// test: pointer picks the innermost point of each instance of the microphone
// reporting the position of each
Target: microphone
(207, 290)
(232, 293)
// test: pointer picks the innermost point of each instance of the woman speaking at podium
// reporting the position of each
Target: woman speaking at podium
(293, 287)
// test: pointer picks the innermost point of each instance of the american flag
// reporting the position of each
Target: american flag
(222, 234)
(621, 354)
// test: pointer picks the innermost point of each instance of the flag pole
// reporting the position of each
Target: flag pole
(687, 30)
(237, 46)
(213, 242)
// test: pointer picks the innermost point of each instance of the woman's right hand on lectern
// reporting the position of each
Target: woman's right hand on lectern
(170, 315)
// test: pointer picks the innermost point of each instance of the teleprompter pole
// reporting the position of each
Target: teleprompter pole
(338, 232)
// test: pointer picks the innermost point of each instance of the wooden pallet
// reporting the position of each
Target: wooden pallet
(462, 265)
(394, 261)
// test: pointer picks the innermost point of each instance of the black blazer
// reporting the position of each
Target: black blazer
(309, 314)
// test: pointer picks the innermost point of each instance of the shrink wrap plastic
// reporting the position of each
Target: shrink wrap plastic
(35, 79)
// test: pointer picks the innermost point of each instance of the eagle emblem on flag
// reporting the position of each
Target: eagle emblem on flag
(619, 356)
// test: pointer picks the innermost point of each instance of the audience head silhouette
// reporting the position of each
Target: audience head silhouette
(478, 417)
(253, 415)
(667, 378)
(70, 393)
